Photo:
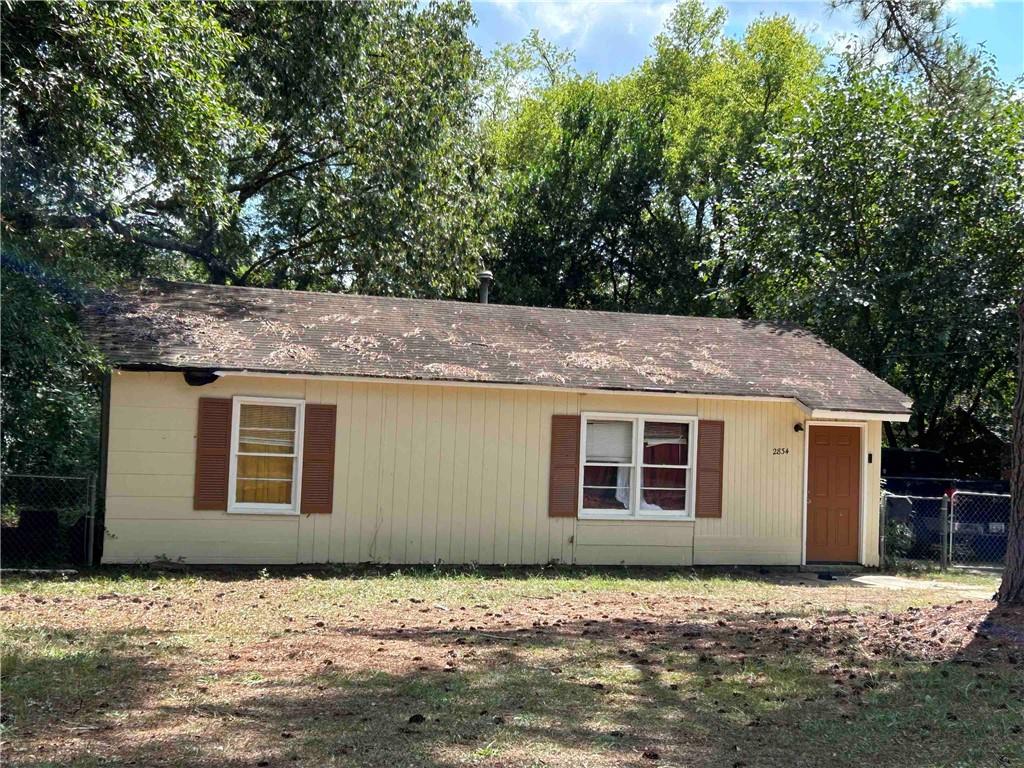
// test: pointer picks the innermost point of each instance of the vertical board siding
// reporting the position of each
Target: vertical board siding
(387, 464)
(367, 544)
(446, 477)
(428, 474)
(460, 477)
(873, 481)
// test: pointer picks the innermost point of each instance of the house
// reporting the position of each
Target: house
(251, 425)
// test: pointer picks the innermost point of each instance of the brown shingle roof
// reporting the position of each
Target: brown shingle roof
(182, 325)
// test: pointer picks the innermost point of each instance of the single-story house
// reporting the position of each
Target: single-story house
(247, 425)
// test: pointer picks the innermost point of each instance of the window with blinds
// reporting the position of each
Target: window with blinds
(636, 466)
(608, 465)
(266, 448)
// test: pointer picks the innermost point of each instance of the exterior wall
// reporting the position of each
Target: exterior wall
(428, 473)
(873, 484)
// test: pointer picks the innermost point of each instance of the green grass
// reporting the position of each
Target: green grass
(371, 586)
(422, 667)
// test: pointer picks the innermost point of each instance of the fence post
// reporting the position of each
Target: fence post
(944, 532)
(90, 536)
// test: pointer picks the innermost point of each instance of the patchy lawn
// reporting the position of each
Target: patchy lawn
(545, 667)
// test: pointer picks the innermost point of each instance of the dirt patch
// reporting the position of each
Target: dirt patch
(969, 630)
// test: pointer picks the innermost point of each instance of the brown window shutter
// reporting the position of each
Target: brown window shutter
(213, 453)
(710, 453)
(318, 459)
(563, 491)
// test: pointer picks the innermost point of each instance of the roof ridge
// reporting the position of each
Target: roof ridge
(782, 324)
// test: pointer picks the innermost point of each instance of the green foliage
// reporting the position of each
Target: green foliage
(99, 97)
(723, 100)
(9, 515)
(899, 538)
(578, 167)
(50, 381)
(611, 191)
(517, 70)
(917, 38)
(892, 227)
(314, 145)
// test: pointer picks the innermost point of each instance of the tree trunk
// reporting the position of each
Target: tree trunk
(1012, 588)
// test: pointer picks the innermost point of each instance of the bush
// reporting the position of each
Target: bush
(899, 538)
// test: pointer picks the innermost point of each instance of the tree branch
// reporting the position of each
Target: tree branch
(99, 219)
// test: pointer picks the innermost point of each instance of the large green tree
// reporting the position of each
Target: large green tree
(49, 376)
(313, 145)
(892, 227)
(309, 144)
(612, 191)
(581, 225)
(918, 37)
(723, 98)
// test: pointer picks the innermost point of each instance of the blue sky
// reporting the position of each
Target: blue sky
(609, 37)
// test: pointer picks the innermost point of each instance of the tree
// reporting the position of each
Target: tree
(1012, 588)
(516, 71)
(918, 38)
(724, 97)
(309, 145)
(293, 144)
(50, 380)
(891, 227)
(611, 191)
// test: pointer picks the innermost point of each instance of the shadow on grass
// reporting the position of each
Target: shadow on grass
(737, 690)
(63, 679)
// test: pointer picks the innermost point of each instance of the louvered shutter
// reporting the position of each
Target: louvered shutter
(213, 454)
(318, 433)
(563, 490)
(710, 454)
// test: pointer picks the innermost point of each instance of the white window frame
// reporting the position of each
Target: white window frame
(263, 508)
(637, 467)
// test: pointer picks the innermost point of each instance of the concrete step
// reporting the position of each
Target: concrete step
(833, 568)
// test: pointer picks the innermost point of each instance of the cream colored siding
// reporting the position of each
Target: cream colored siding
(428, 473)
(652, 542)
(873, 482)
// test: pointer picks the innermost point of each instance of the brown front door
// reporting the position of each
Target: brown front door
(833, 494)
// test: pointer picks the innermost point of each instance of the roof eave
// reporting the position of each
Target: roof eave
(833, 415)
(809, 412)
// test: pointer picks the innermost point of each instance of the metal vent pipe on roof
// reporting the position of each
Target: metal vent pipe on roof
(486, 277)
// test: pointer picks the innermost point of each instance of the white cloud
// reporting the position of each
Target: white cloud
(569, 22)
(959, 6)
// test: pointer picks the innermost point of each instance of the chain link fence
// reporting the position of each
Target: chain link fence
(46, 521)
(978, 527)
(959, 528)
